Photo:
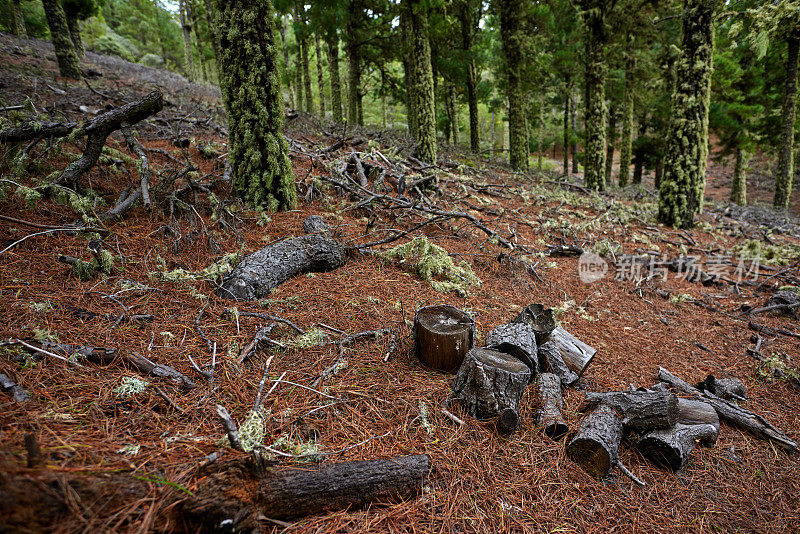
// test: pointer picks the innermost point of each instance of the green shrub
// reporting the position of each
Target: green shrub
(152, 60)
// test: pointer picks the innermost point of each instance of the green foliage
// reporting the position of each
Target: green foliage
(770, 254)
(152, 60)
(774, 367)
(30, 196)
(434, 265)
(113, 43)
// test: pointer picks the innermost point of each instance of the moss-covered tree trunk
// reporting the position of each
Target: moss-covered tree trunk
(784, 173)
(17, 20)
(298, 70)
(251, 88)
(333, 72)
(683, 183)
(512, 35)
(320, 76)
(75, 34)
(574, 144)
(354, 19)
(611, 140)
(188, 64)
(306, 76)
(422, 79)
(627, 119)
(62, 41)
(469, 24)
(595, 114)
(739, 184)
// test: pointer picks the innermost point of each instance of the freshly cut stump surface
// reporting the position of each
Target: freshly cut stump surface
(442, 336)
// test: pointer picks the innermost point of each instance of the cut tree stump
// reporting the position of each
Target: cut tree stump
(575, 353)
(671, 447)
(489, 382)
(518, 340)
(550, 358)
(548, 387)
(442, 336)
(539, 318)
(236, 498)
(276, 263)
(640, 411)
(596, 445)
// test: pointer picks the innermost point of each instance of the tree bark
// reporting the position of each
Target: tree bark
(17, 20)
(595, 78)
(512, 35)
(408, 74)
(574, 147)
(62, 42)
(320, 77)
(468, 21)
(640, 411)
(627, 117)
(539, 318)
(784, 173)
(611, 137)
(567, 113)
(696, 412)
(595, 447)
(518, 340)
(336, 84)
(671, 447)
(310, 108)
(75, 34)
(442, 336)
(551, 404)
(188, 63)
(550, 358)
(422, 78)
(575, 353)
(739, 183)
(356, 12)
(212, 30)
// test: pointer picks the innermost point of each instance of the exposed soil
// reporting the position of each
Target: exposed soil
(92, 439)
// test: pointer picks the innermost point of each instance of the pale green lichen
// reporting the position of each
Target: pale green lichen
(129, 386)
(312, 338)
(30, 196)
(252, 430)
(434, 265)
(306, 452)
(41, 307)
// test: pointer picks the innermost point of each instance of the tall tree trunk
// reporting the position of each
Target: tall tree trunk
(251, 90)
(306, 76)
(512, 34)
(627, 118)
(739, 185)
(17, 20)
(408, 74)
(784, 173)
(452, 112)
(320, 77)
(566, 127)
(595, 143)
(75, 34)
(611, 137)
(212, 30)
(298, 65)
(187, 42)
(62, 42)
(336, 84)
(469, 27)
(574, 146)
(356, 12)
(683, 183)
(422, 79)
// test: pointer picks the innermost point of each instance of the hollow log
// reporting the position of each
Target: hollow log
(518, 340)
(548, 387)
(539, 318)
(575, 353)
(276, 263)
(671, 447)
(550, 358)
(735, 415)
(442, 336)
(234, 499)
(641, 411)
(595, 447)
(489, 382)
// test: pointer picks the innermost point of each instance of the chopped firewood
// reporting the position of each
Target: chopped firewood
(518, 340)
(575, 353)
(551, 404)
(442, 336)
(595, 447)
(550, 357)
(640, 411)
(726, 388)
(670, 447)
(539, 318)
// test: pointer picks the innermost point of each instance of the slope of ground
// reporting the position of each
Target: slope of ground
(480, 482)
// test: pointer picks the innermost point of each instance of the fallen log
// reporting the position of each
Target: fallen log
(489, 382)
(640, 411)
(276, 263)
(735, 415)
(442, 336)
(548, 387)
(726, 388)
(539, 318)
(550, 358)
(235, 499)
(575, 353)
(595, 447)
(518, 340)
(696, 412)
(671, 447)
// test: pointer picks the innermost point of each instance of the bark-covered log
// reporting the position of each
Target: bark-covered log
(726, 388)
(696, 412)
(518, 340)
(548, 387)
(550, 358)
(489, 382)
(596, 445)
(575, 353)
(641, 411)
(235, 498)
(274, 264)
(314, 224)
(442, 336)
(671, 447)
(539, 318)
(735, 415)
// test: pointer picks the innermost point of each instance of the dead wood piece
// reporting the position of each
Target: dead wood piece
(261, 336)
(696, 412)
(539, 318)
(291, 493)
(735, 415)
(785, 302)
(548, 387)
(564, 250)
(595, 447)
(315, 224)
(274, 264)
(19, 394)
(575, 353)
(442, 336)
(550, 358)
(230, 427)
(726, 388)
(37, 130)
(671, 447)
(489, 382)
(640, 411)
(33, 449)
(518, 340)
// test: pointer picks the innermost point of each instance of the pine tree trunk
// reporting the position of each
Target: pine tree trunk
(336, 84)
(258, 151)
(739, 185)
(784, 173)
(411, 110)
(452, 114)
(683, 183)
(468, 29)
(574, 147)
(209, 14)
(320, 77)
(422, 80)
(595, 143)
(512, 35)
(612, 139)
(356, 12)
(627, 119)
(187, 42)
(62, 42)
(307, 77)
(566, 128)
(75, 35)
(17, 20)
(298, 65)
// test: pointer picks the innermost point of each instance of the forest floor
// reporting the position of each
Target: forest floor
(480, 482)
